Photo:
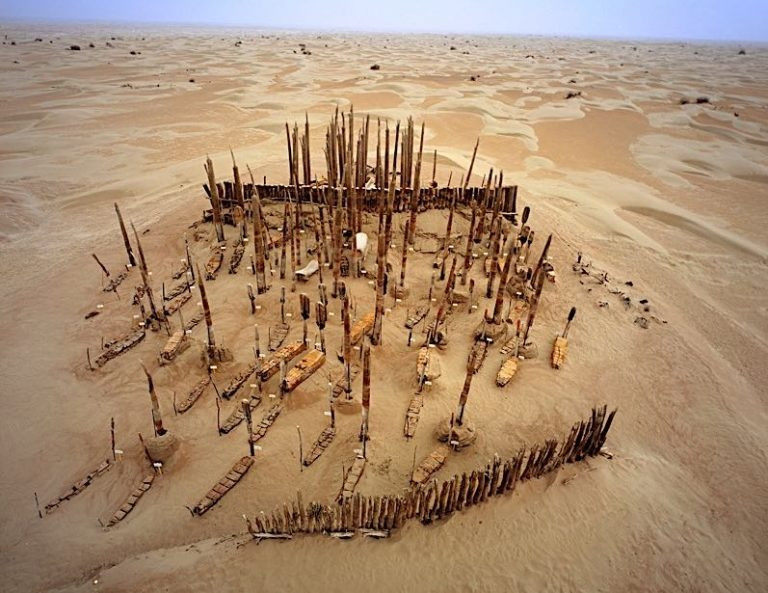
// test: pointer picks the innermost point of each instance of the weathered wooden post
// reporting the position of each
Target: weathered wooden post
(465, 389)
(321, 318)
(301, 449)
(304, 304)
(252, 298)
(157, 420)
(496, 235)
(208, 318)
(215, 203)
(246, 404)
(126, 241)
(145, 278)
(347, 344)
(366, 397)
(534, 306)
(503, 278)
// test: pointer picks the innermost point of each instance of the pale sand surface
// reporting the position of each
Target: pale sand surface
(674, 198)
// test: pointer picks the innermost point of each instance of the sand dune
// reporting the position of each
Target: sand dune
(670, 197)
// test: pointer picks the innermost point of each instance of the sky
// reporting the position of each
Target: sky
(735, 20)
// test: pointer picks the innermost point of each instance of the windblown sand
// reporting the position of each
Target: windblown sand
(671, 197)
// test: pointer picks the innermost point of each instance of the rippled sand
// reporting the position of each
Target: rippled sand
(672, 197)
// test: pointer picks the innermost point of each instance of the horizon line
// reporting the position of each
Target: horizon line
(294, 29)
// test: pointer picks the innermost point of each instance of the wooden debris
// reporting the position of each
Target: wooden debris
(223, 486)
(214, 264)
(412, 415)
(237, 256)
(132, 500)
(430, 464)
(352, 478)
(193, 395)
(79, 486)
(340, 384)
(238, 380)
(284, 354)
(180, 288)
(478, 354)
(320, 445)
(176, 304)
(175, 345)
(362, 327)
(126, 241)
(266, 421)
(277, 335)
(303, 370)
(238, 414)
(416, 316)
(120, 345)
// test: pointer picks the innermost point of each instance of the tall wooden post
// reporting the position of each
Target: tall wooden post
(215, 202)
(347, 344)
(207, 312)
(534, 307)
(415, 195)
(366, 397)
(503, 279)
(304, 306)
(126, 241)
(246, 404)
(258, 241)
(465, 389)
(496, 234)
(156, 313)
(157, 420)
(321, 317)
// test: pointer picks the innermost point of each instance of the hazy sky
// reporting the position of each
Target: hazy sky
(745, 20)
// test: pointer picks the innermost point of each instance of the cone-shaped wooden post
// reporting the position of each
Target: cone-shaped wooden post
(246, 405)
(157, 420)
(215, 202)
(366, 397)
(126, 241)
(284, 245)
(207, 312)
(465, 390)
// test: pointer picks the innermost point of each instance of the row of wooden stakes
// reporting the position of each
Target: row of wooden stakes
(435, 500)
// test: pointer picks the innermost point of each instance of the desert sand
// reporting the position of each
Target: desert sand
(671, 197)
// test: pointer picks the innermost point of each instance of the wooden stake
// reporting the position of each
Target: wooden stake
(217, 223)
(112, 433)
(126, 241)
(246, 404)
(101, 265)
(366, 398)
(252, 298)
(157, 420)
(301, 449)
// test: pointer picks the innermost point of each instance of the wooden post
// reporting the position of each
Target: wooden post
(246, 404)
(304, 305)
(496, 234)
(101, 265)
(126, 241)
(215, 203)
(347, 345)
(157, 420)
(534, 307)
(366, 398)
(257, 342)
(145, 277)
(258, 239)
(542, 258)
(321, 318)
(238, 188)
(207, 312)
(301, 450)
(112, 433)
(503, 278)
(404, 260)
(411, 235)
(252, 298)
(465, 389)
